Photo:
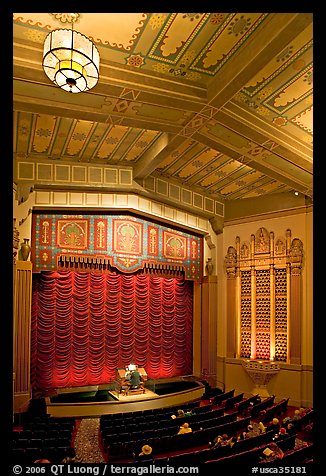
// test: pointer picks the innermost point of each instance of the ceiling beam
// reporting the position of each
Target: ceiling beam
(236, 116)
(275, 34)
(268, 169)
(262, 138)
(154, 156)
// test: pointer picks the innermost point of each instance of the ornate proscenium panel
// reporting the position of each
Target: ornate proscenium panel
(120, 241)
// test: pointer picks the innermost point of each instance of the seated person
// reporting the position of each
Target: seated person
(271, 453)
(180, 413)
(223, 440)
(135, 379)
(185, 428)
(281, 435)
(125, 383)
(145, 455)
(261, 427)
(274, 425)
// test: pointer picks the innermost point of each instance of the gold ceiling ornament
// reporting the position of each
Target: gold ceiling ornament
(66, 17)
(71, 60)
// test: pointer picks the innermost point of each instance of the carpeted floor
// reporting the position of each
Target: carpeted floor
(87, 441)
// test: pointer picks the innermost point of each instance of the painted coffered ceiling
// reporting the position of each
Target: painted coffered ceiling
(221, 103)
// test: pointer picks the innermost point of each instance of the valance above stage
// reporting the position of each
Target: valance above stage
(100, 242)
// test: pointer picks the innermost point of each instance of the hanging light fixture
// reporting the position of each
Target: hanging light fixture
(71, 60)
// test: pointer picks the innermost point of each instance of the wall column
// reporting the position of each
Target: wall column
(209, 328)
(22, 334)
(272, 298)
(253, 298)
(295, 258)
(232, 302)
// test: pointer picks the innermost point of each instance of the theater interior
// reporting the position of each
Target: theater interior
(162, 213)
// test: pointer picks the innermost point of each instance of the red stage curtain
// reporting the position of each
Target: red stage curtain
(85, 325)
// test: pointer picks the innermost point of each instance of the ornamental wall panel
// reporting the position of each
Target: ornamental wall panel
(268, 317)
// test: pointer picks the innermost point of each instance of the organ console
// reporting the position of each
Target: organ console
(123, 382)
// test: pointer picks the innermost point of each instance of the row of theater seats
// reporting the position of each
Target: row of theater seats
(141, 416)
(249, 456)
(145, 419)
(202, 455)
(140, 427)
(166, 427)
(43, 437)
(121, 440)
(160, 421)
(162, 444)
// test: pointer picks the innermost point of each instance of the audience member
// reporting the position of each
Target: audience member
(251, 431)
(220, 440)
(261, 427)
(272, 452)
(298, 414)
(290, 428)
(180, 413)
(242, 435)
(216, 441)
(185, 428)
(233, 440)
(286, 420)
(274, 425)
(145, 455)
(282, 433)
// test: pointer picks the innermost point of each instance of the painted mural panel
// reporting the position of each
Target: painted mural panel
(125, 242)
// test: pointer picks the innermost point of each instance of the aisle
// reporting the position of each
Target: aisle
(87, 441)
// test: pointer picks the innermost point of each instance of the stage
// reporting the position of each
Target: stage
(96, 400)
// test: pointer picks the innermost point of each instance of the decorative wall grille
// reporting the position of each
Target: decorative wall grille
(263, 312)
(245, 318)
(280, 315)
(263, 273)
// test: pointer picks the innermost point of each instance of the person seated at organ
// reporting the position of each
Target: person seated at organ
(135, 379)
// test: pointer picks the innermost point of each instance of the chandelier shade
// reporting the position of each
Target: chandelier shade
(71, 60)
